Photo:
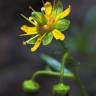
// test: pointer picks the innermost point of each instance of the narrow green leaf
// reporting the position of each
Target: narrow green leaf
(53, 63)
(72, 64)
(47, 39)
(62, 24)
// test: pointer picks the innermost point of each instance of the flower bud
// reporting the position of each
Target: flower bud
(61, 89)
(30, 86)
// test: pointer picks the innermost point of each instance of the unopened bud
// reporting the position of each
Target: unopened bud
(30, 86)
(61, 89)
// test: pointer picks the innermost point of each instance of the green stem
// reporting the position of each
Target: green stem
(50, 73)
(77, 78)
(63, 61)
(62, 70)
(64, 48)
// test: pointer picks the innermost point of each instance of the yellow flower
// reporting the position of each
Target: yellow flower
(46, 24)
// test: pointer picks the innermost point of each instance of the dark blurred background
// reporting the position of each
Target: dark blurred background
(17, 63)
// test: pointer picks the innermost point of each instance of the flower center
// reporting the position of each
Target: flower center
(47, 27)
(51, 20)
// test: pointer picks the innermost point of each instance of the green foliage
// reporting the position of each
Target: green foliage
(47, 39)
(30, 86)
(62, 24)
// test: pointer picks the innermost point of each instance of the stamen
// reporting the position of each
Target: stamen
(42, 9)
(27, 42)
(27, 19)
(43, 2)
(54, 3)
(30, 7)
(24, 43)
(32, 38)
(30, 18)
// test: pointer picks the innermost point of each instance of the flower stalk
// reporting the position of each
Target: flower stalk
(62, 70)
(77, 77)
(50, 73)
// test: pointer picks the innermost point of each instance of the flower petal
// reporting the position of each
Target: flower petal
(37, 43)
(64, 13)
(29, 30)
(58, 35)
(48, 8)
